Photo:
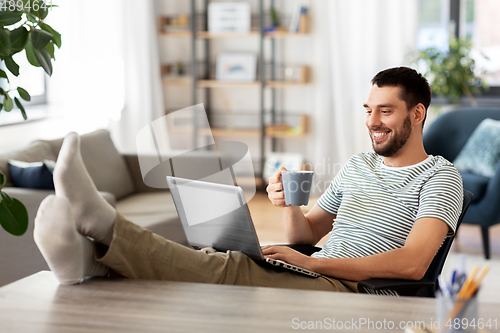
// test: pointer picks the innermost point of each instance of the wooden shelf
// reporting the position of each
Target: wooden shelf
(272, 131)
(284, 34)
(230, 132)
(226, 84)
(219, 35)
(284, 84)
(210, 35)
(176, 81)
(174, 33)
(216, 35)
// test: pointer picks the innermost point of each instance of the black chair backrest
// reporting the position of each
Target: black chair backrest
(438, 262)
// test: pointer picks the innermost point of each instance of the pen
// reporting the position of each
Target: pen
(444, 287)
(467, 291)
(462, 276)
(453, 277)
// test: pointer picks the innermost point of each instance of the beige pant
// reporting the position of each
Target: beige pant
(138, 253)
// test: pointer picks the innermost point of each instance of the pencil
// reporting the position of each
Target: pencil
(477, 282)
(468, 282)
(468, 289)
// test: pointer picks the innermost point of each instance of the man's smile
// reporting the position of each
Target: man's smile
(379, 135)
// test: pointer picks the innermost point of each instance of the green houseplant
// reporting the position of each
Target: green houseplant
(452, 74)
(22, 28)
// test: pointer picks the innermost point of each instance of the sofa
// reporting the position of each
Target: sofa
(118, 179)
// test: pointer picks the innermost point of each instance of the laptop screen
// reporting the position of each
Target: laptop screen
(214, 215)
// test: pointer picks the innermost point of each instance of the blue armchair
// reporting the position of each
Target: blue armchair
(446, 136)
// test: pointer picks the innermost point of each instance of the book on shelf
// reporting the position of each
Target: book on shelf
(299, 20)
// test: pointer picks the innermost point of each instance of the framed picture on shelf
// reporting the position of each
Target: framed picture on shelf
(229, 17)
(236, 66)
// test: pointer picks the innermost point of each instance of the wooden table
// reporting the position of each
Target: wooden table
(39, 304)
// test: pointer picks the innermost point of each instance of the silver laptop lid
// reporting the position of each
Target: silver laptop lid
(215, 215)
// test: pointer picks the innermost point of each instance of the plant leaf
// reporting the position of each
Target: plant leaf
(21, 107)
(3, 179)
(18, 39)
(5, 197)
(12, 66)
(40, 38)
(14, 217)
(4, 43)
(43, 58)
(9, 17)
(24, 94)
(50, 48)
(8, 104)
(41, 11)
(30, 55)
(4, 75)
(31, 18)
(56, 36)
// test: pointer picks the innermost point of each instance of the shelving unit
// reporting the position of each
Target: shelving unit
(202, 78)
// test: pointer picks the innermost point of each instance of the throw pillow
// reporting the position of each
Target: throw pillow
(37, 175)
(481, 152)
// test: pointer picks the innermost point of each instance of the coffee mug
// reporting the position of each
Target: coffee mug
(297, 187)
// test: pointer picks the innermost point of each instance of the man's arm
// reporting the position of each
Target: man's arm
(299, 228)
(306, 229)
(409, 262)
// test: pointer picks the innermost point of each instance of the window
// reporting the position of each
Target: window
(475, 20)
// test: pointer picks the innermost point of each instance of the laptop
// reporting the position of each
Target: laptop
(216, 215)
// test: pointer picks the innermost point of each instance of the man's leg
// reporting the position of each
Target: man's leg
(138, 253)
(135, 252)
(60, 231)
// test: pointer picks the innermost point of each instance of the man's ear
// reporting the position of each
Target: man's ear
(419, 114)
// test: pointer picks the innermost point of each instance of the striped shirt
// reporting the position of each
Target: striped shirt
(376, 205)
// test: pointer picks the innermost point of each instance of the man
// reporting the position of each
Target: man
(387, 213)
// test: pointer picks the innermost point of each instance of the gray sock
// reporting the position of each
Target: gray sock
(69, 254)
(93, 215)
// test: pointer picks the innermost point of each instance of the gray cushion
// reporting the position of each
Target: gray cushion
(154, 211)
(36, 152)
(106, 166)
(481, 153)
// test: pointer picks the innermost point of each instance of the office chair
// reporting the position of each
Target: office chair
(426, 287)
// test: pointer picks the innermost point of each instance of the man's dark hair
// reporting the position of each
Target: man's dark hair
(414, 87)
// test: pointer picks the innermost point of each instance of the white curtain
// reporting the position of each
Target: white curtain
(355, 40)
(107, 73)
(143, 87)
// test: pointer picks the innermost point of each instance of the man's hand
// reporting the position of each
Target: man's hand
(288, 255)
(275, 191)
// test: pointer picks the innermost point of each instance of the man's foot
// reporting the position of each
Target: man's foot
(93, 216)
(69, 254)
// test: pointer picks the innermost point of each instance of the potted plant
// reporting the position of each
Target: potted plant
(452, 74)
(22, 28)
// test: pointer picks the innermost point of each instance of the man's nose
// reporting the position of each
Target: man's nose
(373, 120)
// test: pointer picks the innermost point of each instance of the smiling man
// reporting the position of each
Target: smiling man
(387, 213)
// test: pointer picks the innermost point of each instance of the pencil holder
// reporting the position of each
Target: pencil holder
(465, 319)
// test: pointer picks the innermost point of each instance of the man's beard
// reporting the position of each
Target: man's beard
(395, 144)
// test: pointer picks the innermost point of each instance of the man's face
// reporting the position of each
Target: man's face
(387, 119)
